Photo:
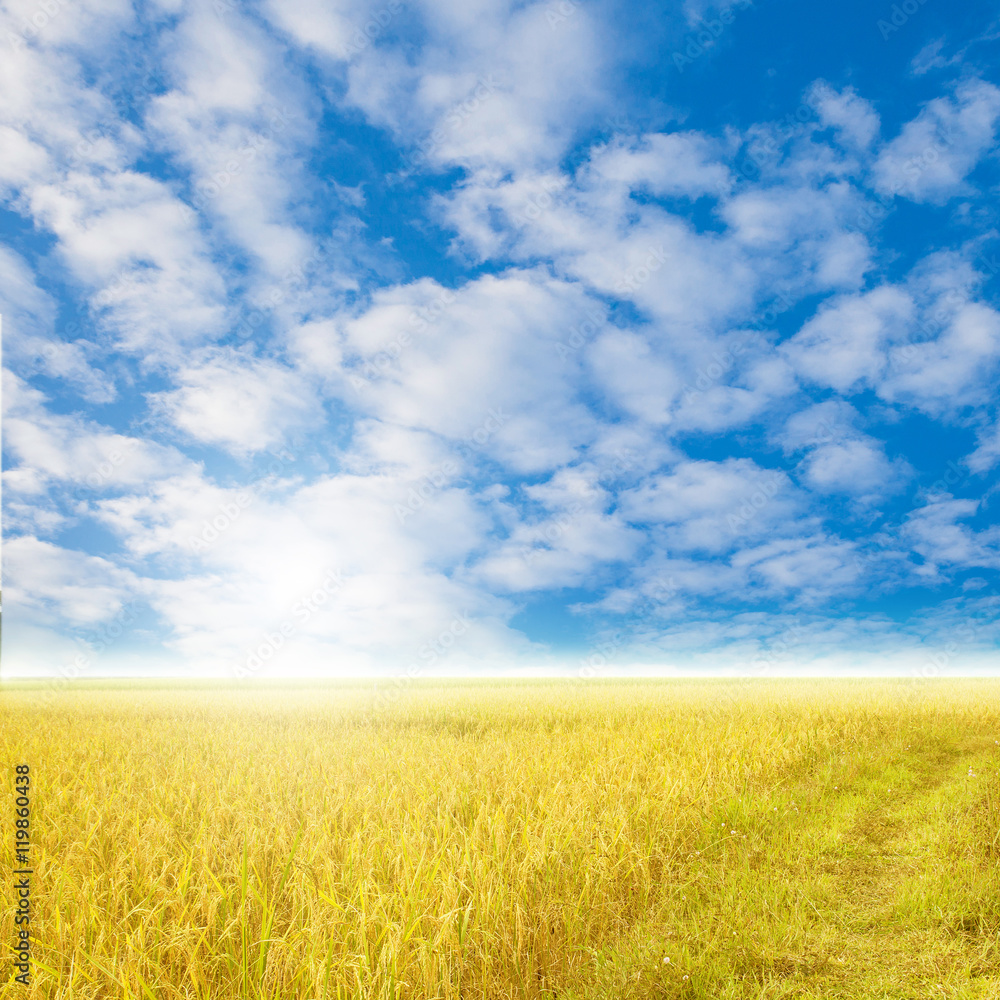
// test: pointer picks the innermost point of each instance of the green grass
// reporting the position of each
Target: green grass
(512, 839)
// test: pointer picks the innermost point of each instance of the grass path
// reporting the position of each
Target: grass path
(863, 878)
(878, 863)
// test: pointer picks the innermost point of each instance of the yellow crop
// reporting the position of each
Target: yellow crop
(619, 839)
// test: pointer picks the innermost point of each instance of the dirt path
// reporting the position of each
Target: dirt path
(880, 883)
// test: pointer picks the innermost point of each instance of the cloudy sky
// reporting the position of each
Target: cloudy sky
(416, 336)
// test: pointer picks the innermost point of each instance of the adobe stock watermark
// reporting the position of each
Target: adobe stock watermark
(580, 334)
(454, 119)
(899, 15)
(710, 374)
(84, 149)
(434, 482)
(96, 642)
(703, 38)
(984, 617)
(765, 150)
(46, 359)
(31, 27)
(633, 279)
(773, 651)
(602, 654)
(112, 461)
(724, 361)
(428, 653)
(373, 28)
(251, 319)
(300, 613)
(226, 173)
(777, 650)
(379, 364)
(599, 658)
(539, 201)
(932, 323)
(554, 529)
(544, 536)
(560, 11)
(875, 212)
(752, 504)
(230, 510)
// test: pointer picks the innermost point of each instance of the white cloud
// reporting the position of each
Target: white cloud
(839, 457)
(854, 120)
(479, 366)
(325, 26)
(955, 369)
(237, 562)
(23, 301)
(811, 224)
(568, 543)
(29, 318)
(810, 568)
(491, 85)
(45, 582)
(935, 533)
(933, 154)
(236, 401)
(642, 384)
(713, 507)
(987, 452)
(930, 57)
(844, 345)
(520, 431)
(673, 164)
(139, 249)
(52, 447)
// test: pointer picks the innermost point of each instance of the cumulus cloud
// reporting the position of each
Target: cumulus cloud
(936, 533)
(53, 448)
(855, 120)
(46, 583)
(238, 402)
(845, 345)
(485, 367)
(673, 164)
(839, 457)
(713, 506)
(934, 153)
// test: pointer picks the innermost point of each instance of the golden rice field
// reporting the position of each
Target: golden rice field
(579, 840)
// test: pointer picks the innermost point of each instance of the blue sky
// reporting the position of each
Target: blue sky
(404, 338)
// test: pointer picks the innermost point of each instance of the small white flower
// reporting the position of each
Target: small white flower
(666, 961)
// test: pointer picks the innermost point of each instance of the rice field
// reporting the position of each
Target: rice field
(572, 840)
